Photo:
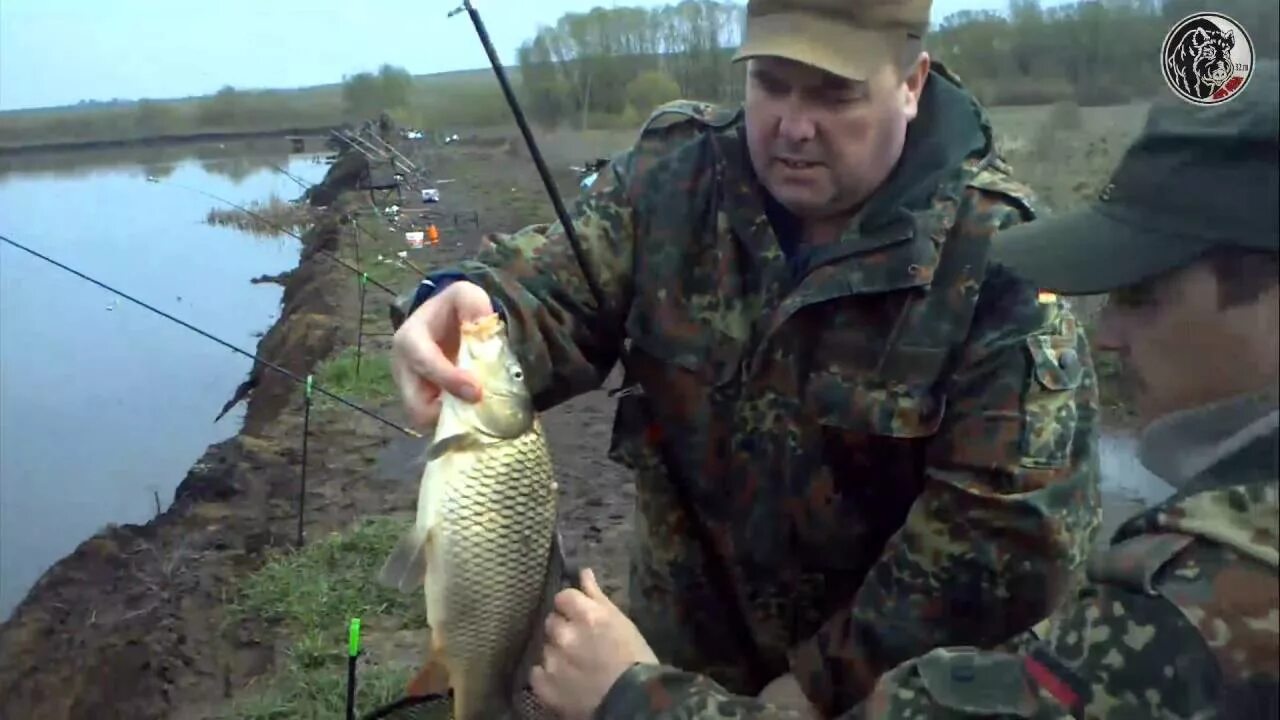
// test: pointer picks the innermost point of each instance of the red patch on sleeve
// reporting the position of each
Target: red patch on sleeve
(1052, 684)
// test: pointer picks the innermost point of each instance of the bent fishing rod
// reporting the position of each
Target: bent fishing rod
(220, 341)
(715, 564)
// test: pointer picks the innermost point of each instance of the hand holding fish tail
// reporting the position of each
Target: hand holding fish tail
(424, 351)
(588, 644)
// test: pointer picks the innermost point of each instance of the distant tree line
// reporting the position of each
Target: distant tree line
(623, 61)
(608, 68)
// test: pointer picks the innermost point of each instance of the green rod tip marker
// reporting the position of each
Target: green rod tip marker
(353, 637)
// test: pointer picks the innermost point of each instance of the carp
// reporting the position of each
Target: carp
(485, 533)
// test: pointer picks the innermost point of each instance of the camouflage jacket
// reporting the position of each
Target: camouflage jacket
(1179, 620)
(891, 445)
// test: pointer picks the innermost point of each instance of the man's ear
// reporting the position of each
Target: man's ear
(916, 75)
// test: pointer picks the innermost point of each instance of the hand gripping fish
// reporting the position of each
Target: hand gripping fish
(485, 540)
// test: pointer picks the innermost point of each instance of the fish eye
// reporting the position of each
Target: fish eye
(516, 372)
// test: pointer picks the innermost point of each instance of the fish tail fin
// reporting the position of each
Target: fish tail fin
(434, 676)
(432, 679)
(406, 567)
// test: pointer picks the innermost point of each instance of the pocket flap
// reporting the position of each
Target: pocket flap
(875, 407)
(1056, 362)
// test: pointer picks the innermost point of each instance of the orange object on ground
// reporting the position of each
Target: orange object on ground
(433, 235)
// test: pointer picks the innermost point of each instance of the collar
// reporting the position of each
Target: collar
(1184, 444)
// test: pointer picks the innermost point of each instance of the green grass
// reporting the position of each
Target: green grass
(339, 375)
(310, 695)
(313, 592)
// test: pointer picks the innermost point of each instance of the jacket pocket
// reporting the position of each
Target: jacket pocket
(1051, 400)
(897, 405)
(670, 391)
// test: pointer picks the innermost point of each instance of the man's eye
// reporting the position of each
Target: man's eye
(772, 87)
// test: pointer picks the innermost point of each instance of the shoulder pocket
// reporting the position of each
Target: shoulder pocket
(1052, 395)
(974, 682)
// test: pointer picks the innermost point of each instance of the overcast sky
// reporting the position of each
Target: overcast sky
(57, 52)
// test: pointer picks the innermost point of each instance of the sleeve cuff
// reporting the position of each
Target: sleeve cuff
(630, 695)
(436, 282)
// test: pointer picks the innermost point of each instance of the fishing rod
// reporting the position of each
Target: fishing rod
(224, 343)
(155, 180)
(512, 102)
(716, 566)
(289, 175)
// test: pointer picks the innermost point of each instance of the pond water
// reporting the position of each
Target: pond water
(104, 405)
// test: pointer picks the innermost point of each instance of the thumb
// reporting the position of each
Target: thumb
(471, 302)
(590, 588)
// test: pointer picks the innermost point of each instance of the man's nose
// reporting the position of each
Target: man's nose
(796, 124)
(1109, 333)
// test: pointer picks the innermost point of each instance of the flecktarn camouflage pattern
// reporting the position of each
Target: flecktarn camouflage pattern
(891, 441)
(1180, 619)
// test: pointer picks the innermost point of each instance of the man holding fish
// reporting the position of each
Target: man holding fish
(854, 439)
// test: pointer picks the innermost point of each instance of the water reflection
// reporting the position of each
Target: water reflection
(234, 160)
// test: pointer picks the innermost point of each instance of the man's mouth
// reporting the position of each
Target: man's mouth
(797, 164)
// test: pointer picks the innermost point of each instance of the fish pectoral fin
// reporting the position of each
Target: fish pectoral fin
(406, 566)
(432, 679)
(453, 443)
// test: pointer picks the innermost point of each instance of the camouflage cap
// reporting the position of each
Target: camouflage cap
(849, 38)
(1196, 178)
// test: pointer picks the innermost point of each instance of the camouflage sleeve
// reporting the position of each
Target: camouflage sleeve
(1110, 654)
(1007, 514)
(566, 343)
(660, 692)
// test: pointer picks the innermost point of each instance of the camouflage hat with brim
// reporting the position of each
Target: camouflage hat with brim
(849, 38)
(1195, 179)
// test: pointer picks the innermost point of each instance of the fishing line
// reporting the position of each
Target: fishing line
(289, 175)
(155, 180)
(224, 343)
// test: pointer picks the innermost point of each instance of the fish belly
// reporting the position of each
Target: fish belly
(488, 573)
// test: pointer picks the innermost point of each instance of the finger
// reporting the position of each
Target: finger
(540, 684)
(421, 399)
(571, 603)
(590, 587)
(422, 356)
(557, 631)
(471, 302)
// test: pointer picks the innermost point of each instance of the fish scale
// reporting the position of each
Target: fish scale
(495, 538)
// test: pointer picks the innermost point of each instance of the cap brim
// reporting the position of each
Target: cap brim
(1088, 252)
(850, 52)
